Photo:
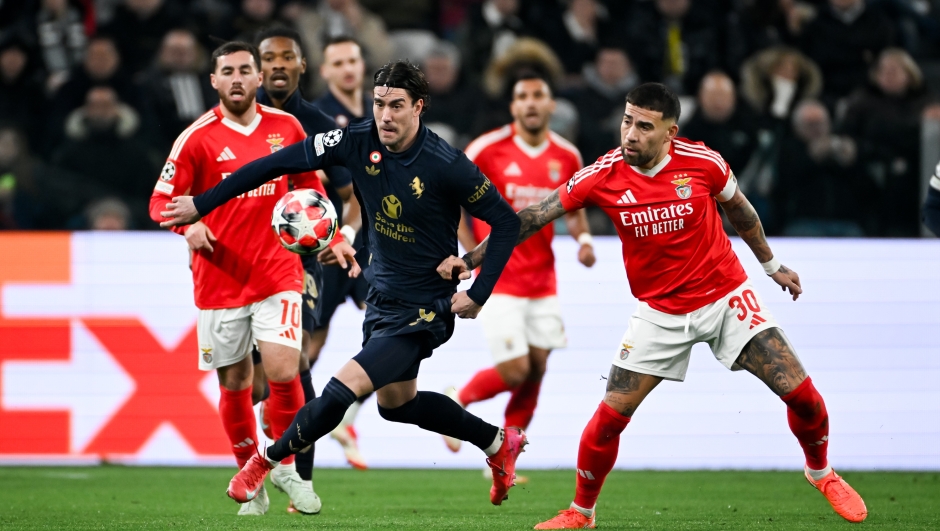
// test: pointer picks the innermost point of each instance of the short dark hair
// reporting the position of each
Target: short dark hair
(656, 97)
(531, 74)
(407, 76)
(232, 47)
(282, 32)
(340, 39)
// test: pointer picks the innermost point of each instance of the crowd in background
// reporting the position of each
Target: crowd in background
(817, 105)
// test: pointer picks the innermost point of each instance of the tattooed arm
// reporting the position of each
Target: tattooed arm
(745, 221)
(531, 218)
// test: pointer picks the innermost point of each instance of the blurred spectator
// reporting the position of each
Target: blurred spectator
(844, 39)
(884, 119)
(21, 89)
(101, 148)
(490, 30)
(776, 79)
(762, 24)
(253, 16)
(176, 90)
(60, 32)
(600, 102)
(139, 26)
(404, 14)
(453, 102)
(820, 191)
(33, 194)
(109, 213)
(101, 66)
(343, 18)
(721, 123)
(344, 71)
(522, 55)
(577, 34)
(674, 42)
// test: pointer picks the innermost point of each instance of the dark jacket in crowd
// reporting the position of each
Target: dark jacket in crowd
(139, 39)
(735, 138)
(161, 106)
(845, 52)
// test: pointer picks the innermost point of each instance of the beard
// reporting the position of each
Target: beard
(239, 107)
(279, 94)
(636, 160)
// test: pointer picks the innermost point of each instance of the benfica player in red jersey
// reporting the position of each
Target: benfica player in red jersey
(248, 288)
(526, 161)
(659, 190)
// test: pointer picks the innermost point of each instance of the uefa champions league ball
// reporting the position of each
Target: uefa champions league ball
(304, 221)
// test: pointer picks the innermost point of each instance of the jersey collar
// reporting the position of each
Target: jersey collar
(532, 151)
(407, 157)
(246, 130)
(655, 169)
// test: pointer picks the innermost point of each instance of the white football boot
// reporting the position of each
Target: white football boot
(300, 492)
(257, 506)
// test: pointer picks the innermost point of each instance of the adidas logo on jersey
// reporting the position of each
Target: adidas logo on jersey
(626, 198)
(225, 155)
(512, 170)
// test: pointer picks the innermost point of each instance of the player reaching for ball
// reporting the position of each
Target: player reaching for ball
(411, 185)
(658, 190)
(522, 323)
(247, 286)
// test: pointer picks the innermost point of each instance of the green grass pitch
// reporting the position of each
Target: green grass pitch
(112, 497)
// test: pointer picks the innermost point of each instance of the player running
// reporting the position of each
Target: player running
(658, 190)
(522, 323)
(247, 286)
(282, 63)
(411, 185)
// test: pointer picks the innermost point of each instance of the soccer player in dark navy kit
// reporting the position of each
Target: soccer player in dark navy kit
(344, 70)
(411, 185)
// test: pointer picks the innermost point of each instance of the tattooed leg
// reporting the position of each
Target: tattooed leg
(627, 389)
(770, 357)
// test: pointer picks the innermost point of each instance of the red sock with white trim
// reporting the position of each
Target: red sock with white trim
(809, 421)
(238, 420)
(286, 399)
(600, 442)
(522, 402)
(484, 385)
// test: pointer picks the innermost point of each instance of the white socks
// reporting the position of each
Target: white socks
(586, 512)
(818, 474)
(497, 442)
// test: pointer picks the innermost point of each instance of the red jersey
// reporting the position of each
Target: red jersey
(676, 254)
(248, 264)
(525, 175)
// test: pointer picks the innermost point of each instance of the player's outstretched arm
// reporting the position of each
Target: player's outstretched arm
(531, 219)
(292, 159)
(746, 222)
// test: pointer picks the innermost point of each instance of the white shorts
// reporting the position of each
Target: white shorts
(226, 335)
(512, 324)
(659, 343)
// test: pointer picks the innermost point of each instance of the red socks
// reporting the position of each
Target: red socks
(809, 421)
(484, 385)
(238, 419)
(522, 404)
(597, 454)
(285, 400)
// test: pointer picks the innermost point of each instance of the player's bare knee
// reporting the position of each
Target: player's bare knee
(238, 376)
(538, 362)
(514, 371)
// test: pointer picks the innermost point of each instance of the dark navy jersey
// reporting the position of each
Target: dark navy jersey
(411, 202)
(314, 121)
(336, 110)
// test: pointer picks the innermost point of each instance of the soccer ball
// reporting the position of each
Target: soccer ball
(304, 221)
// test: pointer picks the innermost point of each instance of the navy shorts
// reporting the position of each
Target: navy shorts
(325, 288)
(388, 356)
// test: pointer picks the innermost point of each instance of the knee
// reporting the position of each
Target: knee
(621, 403)
(514, 372)
(401, 413)
(537, 370)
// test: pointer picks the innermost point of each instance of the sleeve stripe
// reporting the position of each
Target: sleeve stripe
(486, 140)
(563, 143)
(206, 119)
(606, 161)
(714, 155)
(718, 162)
